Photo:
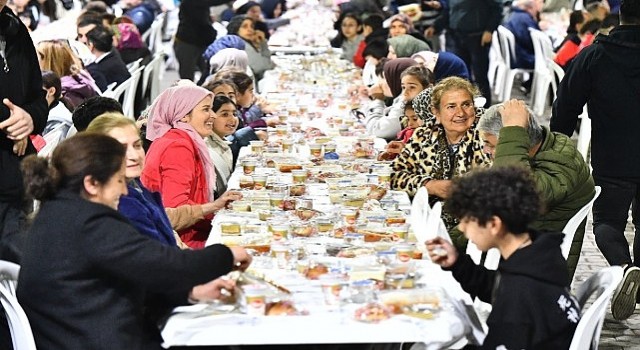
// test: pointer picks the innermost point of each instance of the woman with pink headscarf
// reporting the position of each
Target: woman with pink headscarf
(178, 164)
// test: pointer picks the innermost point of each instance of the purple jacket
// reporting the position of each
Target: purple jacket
(78, 87)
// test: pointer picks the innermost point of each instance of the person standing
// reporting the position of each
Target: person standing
(606, 76)
(469, 25)
(23, 111)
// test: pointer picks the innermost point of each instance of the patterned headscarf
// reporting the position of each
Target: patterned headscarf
(406, 21)
(422, 106)
(166, 113)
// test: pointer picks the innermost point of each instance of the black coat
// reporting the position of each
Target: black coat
(22, 85)
(605, 76)
(532, 307)
(86, 273)
(111, 69)
(195, 22)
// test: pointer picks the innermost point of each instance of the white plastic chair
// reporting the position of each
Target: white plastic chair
(543, 77)
(572, 225)
(108, 92)
(558, 75)
(584, 135)
(508, 49)
(154, 38)
(151, 76)
(131, 67)
(602, 284)
(127, 90)
(9, 276)
(21, 334)
(497, 66)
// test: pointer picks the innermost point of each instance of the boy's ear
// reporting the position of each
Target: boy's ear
(495, 226)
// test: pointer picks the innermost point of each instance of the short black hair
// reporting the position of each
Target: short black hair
(377, 49)
(630, 11)
(236, 22)
(101, 38)
(380, 66)
(508, 192)
(261, 26)
(211, 84)
(591, 26)
(374, 21)
(242, 80)
(92, 107)
(89, 17)
(576, 17)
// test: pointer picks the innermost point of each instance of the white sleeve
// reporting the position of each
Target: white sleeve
(382, 125)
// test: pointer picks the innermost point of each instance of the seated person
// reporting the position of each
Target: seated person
(402, 79)
(99, 269)
(272, 11)
(413, 121)
(442, 64)
(372, 30)
(108, 67)
(59, 115)
(178, 163)
(532, 307)
(512, 136)
(570, 49)
(129, 42)
(405, 46)
(524, 15)
(349, 27)
(259, 55)
(373, 53)
(447, 147)
(225, 123)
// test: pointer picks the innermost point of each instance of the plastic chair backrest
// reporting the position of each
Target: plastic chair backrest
(601, 284)
(128, 89)
(507, 44)
(149, 75)
(108, 92)
(155, 33)
(21, 334)
(131, 67)
(572, 225)
(558, 74)
(53, 138)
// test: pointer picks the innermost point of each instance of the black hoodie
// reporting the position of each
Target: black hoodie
(606, 76)
(532, 306)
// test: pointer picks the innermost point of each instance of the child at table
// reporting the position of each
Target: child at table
(413, 121)
(532, 307)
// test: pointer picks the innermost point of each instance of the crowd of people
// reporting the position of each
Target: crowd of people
(126, 202)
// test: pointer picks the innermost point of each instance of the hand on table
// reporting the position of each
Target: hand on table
(273, 121)
(227, 198)
(394, 147)
(241, 259)
(441, 252)
(262, 135)
(212, 290)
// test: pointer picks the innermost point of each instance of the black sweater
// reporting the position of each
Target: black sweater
(605, 76)
(532, 307)
(22, 85)
(86, 273)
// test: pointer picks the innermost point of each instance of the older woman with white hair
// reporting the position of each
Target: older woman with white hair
(512, 136)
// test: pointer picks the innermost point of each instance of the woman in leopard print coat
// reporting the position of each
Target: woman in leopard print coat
(448, 146)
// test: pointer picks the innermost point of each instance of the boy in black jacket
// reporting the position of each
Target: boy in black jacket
(532, 306)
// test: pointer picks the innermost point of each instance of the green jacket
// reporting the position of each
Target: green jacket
(561, 174)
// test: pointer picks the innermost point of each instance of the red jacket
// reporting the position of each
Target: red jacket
(358, 59)
(173, 168)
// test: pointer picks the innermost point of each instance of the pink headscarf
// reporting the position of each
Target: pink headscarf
(172, 105)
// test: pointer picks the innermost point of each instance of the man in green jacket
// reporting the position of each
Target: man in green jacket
(512, 136)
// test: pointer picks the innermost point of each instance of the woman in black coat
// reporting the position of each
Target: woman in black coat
(86, 272)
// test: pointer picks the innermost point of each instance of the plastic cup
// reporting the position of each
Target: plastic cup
(259, 182)
(332, 287)
(299, 176)
(257, 146)
(404, 252)
(248, 167)
(316, 150)
(255, 299)
(276, 200)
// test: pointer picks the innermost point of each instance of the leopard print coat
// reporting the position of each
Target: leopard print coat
(427, 156)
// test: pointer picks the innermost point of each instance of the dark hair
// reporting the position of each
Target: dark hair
(101, 37)
(236, 22)
(591, 26)
(508, 192)
(339, 39)
(612, 20)
(52, 80)
(212, 84)
(219, 101)
(242, 10)
(630, 12)
(89, 17)
(242, 80)
(374, 21)
(92, 107)
(50, 9)
(575, 18)
(109, 18)
(408, 105)
(380, 66)
(420, 72)
(85, 154)
(96, 6)
(377, 49)
(261, 26)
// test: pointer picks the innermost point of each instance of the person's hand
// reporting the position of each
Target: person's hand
(375, 92)
(212, 290)
(264, 105)
(486, 38)
(394, 147)
(429, 32)
(439, 188)
(273, 121)
(226, 199)
(262, 135)
(442, 252)
(241, 259)
(514, 113)
(20, 147)
(19, 124)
